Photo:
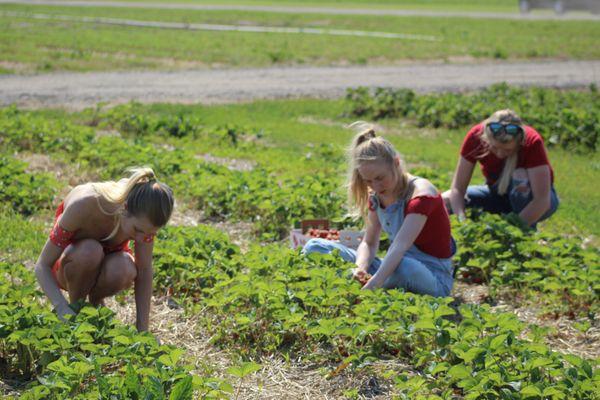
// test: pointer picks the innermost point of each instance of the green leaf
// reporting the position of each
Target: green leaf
(183, 389)
(531, 391)
(459, 372)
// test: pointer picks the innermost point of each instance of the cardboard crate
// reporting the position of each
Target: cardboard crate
(298, 237)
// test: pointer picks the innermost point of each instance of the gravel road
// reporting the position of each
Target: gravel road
(79, 90)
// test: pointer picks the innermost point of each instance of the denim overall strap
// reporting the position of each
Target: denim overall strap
(392, 216)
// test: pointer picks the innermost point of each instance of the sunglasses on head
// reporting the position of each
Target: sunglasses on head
(500, 129)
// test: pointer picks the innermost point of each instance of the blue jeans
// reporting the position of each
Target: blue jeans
(418, 272)
(488, 199)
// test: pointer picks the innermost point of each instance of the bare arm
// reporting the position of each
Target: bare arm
(411, 227)
(43, 272)
(367, 249)
(69, 221)
(540, 182)
(143, 283)
(460, 182)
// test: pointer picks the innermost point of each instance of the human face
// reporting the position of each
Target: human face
(379, 177)
(503, 149)
(136, 228)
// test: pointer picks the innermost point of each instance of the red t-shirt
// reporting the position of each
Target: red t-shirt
(434, 239)
(531, 154)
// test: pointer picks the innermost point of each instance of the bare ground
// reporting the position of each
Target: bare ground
(80, 90)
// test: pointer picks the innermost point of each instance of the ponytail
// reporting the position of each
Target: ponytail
(366, 147)
(141, 194)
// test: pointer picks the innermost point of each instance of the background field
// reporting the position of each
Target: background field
(29, 45)
(237, 313)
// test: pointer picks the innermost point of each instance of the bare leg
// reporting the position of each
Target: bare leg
(80, 266)
(117, 273)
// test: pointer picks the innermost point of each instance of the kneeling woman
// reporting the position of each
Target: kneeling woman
(88, 254)
(409, 209)
(515, 165)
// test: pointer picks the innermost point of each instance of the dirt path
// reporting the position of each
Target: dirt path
(79, 90)
(313, 10)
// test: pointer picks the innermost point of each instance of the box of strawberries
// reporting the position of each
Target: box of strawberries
(320, 228)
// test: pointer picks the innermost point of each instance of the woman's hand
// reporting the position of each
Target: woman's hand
(361, 275)
(371, 284)
(63, 310)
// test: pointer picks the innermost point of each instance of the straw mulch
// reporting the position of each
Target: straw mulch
(562, 337)
(276, 380)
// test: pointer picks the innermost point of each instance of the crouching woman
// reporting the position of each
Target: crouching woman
(408, 208)
(518, 175)
(87, 253)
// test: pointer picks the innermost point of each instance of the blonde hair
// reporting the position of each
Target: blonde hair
(141, 194)
(366, 147)
(506, 116)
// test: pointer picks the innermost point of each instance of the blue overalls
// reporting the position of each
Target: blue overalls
(418, 272)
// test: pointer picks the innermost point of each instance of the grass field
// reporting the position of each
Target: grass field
(454, 5)
(267, 309)
(30, 45)
(295, 126)
(236, 313)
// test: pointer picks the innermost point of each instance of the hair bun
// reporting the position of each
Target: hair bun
(366, 135)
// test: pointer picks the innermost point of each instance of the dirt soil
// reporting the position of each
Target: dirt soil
(81, 90)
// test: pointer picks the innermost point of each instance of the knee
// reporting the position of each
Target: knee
(120, 272)
(85, 256)
(317, 246)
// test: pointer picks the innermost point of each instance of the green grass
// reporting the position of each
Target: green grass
(28, 45)
(449, 5)
(22, 237)
(304, 313)
(295, 127)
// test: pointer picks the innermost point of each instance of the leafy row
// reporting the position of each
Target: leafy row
(272, 301)
(526, 263)
(570, 119)
(91, 356)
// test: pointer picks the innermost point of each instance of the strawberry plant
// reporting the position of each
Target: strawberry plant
(281, 302)
(527, 264)
(568, 118)
(22, 191)
(91, 356)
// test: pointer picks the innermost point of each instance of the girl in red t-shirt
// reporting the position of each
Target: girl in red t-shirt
(88, 254)
(409, 209)
(515, 165)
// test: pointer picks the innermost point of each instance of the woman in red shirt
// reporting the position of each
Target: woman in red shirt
(409, 209)
(515, 165)
(88, 254)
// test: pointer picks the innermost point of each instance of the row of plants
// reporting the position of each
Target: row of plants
(271, 301)
(553, 271)
(91, 356)
(261, 195)
(491, 251)
(274, 301)
(569, 119)
(271, 199)
(25, 192)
